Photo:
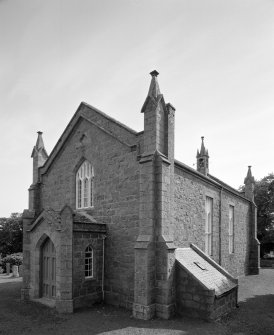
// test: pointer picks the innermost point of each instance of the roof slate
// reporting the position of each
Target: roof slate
(203, 271)
(83, 217)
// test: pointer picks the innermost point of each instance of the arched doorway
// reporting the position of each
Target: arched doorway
(48, 275)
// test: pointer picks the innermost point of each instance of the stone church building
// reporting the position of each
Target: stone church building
(114, 217)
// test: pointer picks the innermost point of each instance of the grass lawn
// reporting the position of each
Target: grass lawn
(254, 316)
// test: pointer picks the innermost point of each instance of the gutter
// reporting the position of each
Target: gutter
(103, 269)
(220, 226)
(209, 180)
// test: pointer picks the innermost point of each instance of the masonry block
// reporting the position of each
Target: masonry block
(143, 312)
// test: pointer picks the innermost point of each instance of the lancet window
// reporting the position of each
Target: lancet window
(84, 186)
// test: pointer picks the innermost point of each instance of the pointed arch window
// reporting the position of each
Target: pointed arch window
(89, 262)
(84, 186)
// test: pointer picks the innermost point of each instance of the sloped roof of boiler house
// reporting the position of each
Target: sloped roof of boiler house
(204, 271)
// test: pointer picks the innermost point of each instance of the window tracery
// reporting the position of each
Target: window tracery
(84, 186)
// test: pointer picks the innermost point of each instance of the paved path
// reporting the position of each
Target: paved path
(255, 314)
(9, 279)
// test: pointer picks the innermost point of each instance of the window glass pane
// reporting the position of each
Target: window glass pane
(89, 262)
(86, 192)
(79, 193)
(208, 225)
(231, 229)
(84, 189)
(91, 192)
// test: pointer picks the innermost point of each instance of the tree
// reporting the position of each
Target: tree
(11, 234)
(264, 199)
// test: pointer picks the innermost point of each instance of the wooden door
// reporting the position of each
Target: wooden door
(48, 270)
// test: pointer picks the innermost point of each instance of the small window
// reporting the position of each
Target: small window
(89, 262)
(231, 230)
(208, 225)
(84, 186)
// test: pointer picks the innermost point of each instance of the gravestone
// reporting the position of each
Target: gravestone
(15, 271)
(8, 268)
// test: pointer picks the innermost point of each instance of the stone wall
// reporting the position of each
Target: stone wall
(59, 230)
(87, 291)
(236, 263)
(189, 209)
(195, 300)
(116, 199)
(267, 263)
(189, 203)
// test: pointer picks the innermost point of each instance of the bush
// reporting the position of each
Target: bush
(11, 234)
(13, 259)
(268, 256)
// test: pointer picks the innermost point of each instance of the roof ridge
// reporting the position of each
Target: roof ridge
(73, 121)
(222, 182)
(110, 118)
(210, 178)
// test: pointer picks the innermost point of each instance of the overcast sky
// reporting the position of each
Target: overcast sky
(216, 64)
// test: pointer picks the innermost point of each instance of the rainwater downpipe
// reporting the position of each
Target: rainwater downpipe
(103, 269)
(220, 226)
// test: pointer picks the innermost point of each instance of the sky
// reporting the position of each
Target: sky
(216, 65)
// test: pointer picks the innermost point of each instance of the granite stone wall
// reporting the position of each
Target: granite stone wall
(87, 291)
(36, 234)
(236, 263)
(195, 300)
(116, 199)
(189, 210)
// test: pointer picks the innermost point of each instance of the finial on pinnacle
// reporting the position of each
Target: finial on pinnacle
(154, 73)
(39, 132)
(202, 138)
(249, 177)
